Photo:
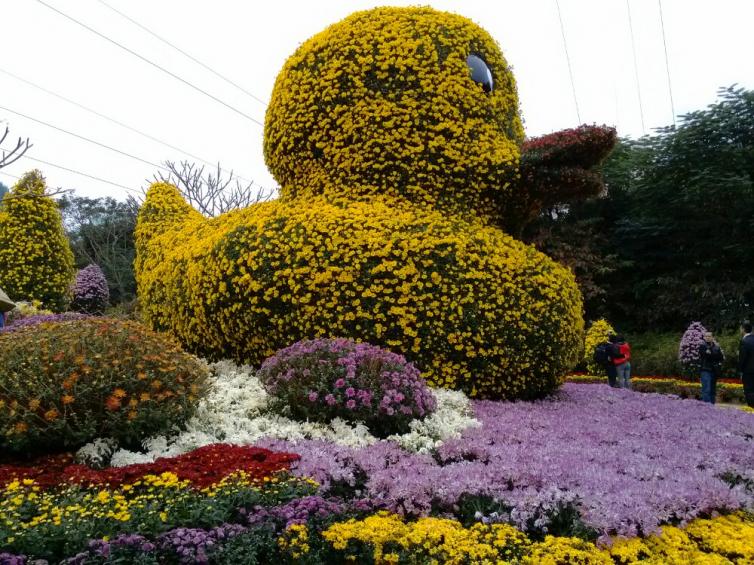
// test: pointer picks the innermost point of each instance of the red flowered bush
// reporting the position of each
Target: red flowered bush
(558, 168)
(202, 467)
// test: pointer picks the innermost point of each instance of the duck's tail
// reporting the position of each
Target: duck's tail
(164, 208)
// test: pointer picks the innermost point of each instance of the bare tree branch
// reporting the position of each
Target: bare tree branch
(212, 193)
(10, 157)
(47, 194)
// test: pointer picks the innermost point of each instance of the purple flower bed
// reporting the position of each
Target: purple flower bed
(194, 545)
(323, 379)
(627, 461)
(43, 319)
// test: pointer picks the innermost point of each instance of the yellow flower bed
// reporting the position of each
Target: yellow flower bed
(386, 538)
(36, 259)
(394, 166)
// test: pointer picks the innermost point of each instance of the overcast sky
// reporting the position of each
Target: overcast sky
(710, 44)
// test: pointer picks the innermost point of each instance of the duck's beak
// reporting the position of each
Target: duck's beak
(556, 169)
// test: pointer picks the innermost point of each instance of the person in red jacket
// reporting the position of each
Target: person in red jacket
(622, 362)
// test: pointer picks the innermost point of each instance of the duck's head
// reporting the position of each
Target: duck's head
(406, 102)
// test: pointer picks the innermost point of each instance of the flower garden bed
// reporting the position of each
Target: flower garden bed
(592, 475)
(728, 390)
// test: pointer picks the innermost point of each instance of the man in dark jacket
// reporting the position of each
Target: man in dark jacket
(746, 363)
(603, 355)
(710, 364)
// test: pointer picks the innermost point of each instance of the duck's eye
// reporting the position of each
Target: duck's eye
(480, 72)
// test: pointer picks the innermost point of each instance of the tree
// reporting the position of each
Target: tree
(101, 231)
(9, 157)
(685, 227)
(669, 240)
(212, 194)
(34, 251)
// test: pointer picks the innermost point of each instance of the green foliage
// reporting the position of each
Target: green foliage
(36, 259)
(65, 384)
(101, 231)
(655, 353)
(686, 228)
(670, 242)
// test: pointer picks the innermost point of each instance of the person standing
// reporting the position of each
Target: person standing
(710, 364)
(746, 363)
(622, 361)
(603, 356)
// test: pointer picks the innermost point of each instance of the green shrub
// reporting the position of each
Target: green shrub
(655, 353)
(65, 384)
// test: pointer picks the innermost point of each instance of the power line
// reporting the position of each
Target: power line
(182, 52)
(112, 120)
(667, 63)
(74, 171)
(152, 63)
(87, 139)
(568, 60)
(10, 175)
(636, 67)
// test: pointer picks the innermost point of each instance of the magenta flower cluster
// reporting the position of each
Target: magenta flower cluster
(91, 294)
(627, 462)
(324, 379)
(688, 350)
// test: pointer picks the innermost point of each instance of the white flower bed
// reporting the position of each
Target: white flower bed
(235, 411)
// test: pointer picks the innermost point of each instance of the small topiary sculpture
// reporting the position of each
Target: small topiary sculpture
(688, 349)
(91, 294)
(36, 258)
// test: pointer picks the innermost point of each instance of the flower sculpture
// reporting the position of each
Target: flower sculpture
(396, 138)
(91, 294)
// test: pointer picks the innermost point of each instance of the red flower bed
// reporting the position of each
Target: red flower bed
(202, 467)
(45, 471)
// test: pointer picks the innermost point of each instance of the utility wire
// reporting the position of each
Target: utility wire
(112, 120)
(87, 139)
(182, 52)
(667, 63)
(10, 175)
(74, 171)
(636, 67)
(568, 60)
(152, 63)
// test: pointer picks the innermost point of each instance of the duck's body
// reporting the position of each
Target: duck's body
(395, 165)
(474, 308)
